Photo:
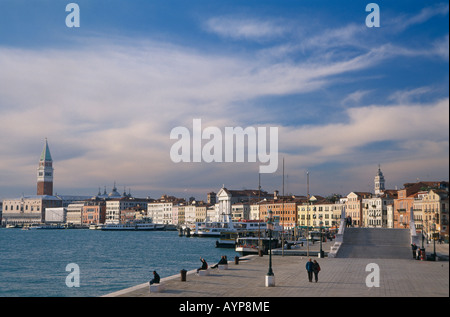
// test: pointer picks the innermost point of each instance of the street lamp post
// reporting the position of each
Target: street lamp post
(270, 278)
(434, 238)
(321, 254)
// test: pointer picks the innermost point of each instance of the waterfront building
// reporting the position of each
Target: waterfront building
(226, 198)
(419, 219)
(55, 215)
(309, 214)
(375, 209)
(93, 212)
(284, 208)
(178, 212)
(132, 214)
(161, 210)
(28, 209)
(211, 213)
(195, 211)
(240, 211)
(254, 211)
(354, 207)
(435, 211)
(74, 213)
(409, 199)
(114, 206)
(201, 209)
(189, 213)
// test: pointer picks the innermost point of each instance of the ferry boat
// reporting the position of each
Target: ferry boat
(211, 229)
(43, 227)
(250, 245)
(12, 226)
(215, 229)
(144, 226)
(227, 240)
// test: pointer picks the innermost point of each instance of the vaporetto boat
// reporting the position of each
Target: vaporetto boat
(132, 227)
(215, 229)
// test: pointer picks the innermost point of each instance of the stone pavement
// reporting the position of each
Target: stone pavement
(339, 277)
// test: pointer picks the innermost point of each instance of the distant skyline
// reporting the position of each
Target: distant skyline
(344, 97)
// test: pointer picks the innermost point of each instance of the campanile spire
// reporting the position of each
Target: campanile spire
(45, 172)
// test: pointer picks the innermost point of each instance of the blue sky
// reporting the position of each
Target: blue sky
(344, 97)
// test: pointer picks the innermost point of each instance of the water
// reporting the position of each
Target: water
(33, 262)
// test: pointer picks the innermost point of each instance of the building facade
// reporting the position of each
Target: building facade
(28, 209)
(354, 207)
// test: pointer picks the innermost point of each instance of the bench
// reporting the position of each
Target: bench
(223, 267)
(156, 288)
(204, 272)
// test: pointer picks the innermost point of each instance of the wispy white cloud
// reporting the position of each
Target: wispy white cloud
(246, 28)
(410, 95)
(404, 21)
(108, 106)
(355, 97)
(116, 104)
(400, 123)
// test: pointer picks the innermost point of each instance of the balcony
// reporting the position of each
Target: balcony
(401, 210)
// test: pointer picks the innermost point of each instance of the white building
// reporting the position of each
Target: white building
(55, 215)
(161, 212)
(375, 209)
(116, 205)
(189, 213)
(74, 213)
(240, 211)
(226, 198)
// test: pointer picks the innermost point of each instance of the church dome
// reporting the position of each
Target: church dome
(114, 193)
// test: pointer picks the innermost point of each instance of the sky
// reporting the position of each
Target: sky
(344, 97)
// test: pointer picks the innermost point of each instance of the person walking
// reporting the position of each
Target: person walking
(316, 269)
(414, 250)
(310, 269)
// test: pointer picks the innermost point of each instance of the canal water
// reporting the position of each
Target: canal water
(33, 262)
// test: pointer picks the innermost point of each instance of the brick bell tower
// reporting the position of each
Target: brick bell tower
(45, 172)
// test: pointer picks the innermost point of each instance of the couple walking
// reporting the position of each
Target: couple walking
(312, 267)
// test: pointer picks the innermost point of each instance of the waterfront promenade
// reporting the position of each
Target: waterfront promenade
(339, 277)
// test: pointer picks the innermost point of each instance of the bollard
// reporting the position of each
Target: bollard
(183, 275)
(236, 260)
(422, 255)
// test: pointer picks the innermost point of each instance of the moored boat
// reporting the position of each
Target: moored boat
(135, 226)
(251, 245)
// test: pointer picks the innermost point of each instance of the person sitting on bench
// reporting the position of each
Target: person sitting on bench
(155, 279)
(204, 265)
(223, 260)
